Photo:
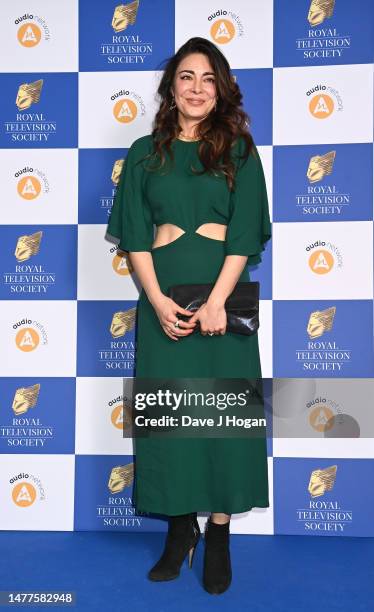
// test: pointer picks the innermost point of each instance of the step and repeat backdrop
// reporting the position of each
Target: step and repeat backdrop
(78, 86)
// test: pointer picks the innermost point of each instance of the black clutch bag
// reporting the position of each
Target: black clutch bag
(242, 305)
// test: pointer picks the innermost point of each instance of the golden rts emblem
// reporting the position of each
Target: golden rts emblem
(320, 321)
(320, 10)
(322, 481)
(121, 476)
(124, 15)
(28, 94)
(122, 322)
(320, 166)
(116, 172)
(25, 398)
(28, 246)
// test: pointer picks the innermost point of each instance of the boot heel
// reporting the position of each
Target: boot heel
(191, 553)
(182, 538)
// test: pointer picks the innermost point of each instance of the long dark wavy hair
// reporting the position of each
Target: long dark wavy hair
(219, 130)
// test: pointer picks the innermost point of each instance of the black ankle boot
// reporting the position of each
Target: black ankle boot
(217, 572)
(182, 538)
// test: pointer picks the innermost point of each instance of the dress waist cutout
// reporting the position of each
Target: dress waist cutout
(168, 232)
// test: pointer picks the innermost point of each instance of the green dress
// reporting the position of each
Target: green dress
(176, 476)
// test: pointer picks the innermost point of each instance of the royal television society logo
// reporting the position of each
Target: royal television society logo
(30, 126)
(120, 353)
(26, 429)
(118, 511)
(224, 26)
(323, 257)
(106, 203)
(322, 355)
(27, 277)
(322, 40)
(26, 489)
(30, 335)
(126, 45)
(31, 30)
(321, 198)
(323, 515)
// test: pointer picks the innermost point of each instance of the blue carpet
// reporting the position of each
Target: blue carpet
(270, 573)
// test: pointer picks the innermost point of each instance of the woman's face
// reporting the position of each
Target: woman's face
(194, 86)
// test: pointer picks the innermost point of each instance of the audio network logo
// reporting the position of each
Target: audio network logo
(31, 30)
(26, 490)
(225, 25)
(31, 183)
(127, 106)
(121, 415)
(324, 414)
(121, 262)
(324, 101)
(30, 335)
(324, 256)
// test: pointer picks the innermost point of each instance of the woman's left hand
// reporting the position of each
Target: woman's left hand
(212, 317)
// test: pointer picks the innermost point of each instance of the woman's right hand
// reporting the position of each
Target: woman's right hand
(166, 310)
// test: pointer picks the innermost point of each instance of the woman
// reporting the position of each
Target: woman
(181, 178)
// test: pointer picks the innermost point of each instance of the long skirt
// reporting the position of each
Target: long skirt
(177, 475)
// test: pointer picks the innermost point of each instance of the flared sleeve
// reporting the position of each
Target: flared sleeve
(131, 219)
(249, 226)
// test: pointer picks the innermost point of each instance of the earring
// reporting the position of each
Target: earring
(171, 107)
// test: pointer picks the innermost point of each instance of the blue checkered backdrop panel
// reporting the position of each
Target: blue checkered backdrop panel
(78, 86)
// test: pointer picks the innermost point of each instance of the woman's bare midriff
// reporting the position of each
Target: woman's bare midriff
(168, 232)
